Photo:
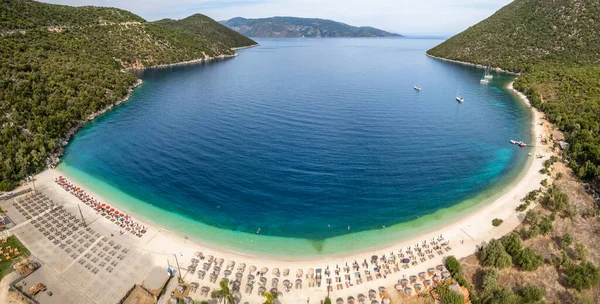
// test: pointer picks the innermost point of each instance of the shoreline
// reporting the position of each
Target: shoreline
(53, 159)
(481, 66)
(473, 211)
(245, 47)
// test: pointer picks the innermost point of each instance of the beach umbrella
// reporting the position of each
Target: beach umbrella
(299, 273)
(121, 219)
(252, 269)
(286, 272)
(275, 271)
(439, 267)
(405, 261)
(398, 287)
(374, 258)
(445, 274)
(386, 300)
(103, 205)
(408, 291)
(264, 270)
(230, 264)
(311, 271)
(241, 266)
(381, 289)
(422, 275)
(121, 214)
(427, 282)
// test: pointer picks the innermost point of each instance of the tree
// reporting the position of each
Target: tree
(224, 294)
(501, 296)
(545, 226)
(512, 243)
(581, 251)
(269, 297)
(532, 217)
(582, 276)
(566, 241)
(531, 294)
(453, 265)
(494, 255)
(490, 280)
(528, 260)
(497, 222)
(448, 296)
(327, 300)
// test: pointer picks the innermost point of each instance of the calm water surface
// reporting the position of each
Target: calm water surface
(305, 138)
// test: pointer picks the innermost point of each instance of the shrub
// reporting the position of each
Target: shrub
(581, 251)
(490, 280)
(532, 294)
(497, 222)
(566, 241)
(532, 217)
(327, 300)
(528, 260)
(545, 226)
(522, 207)
(448, 296)
(494, 255)
(583, 276)
(533, 232)
(453, 265)
(559, 175)
(512, 243)
(544, 182)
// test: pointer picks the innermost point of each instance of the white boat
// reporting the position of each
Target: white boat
(458, 97)
(484, 81)
(418, 88)
(488, 75)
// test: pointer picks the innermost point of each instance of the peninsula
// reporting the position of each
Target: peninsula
(293, 27)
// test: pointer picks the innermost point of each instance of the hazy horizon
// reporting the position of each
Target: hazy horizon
(438, 18)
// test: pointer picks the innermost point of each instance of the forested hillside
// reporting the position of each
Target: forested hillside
(301, 27)
(20, 14)
(555, 44)
(53, 79)
(206, 28)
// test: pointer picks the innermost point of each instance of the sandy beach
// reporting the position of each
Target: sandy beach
(464, 236)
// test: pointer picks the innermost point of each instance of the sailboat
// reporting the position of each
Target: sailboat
(418, 88)
(486, 77)
(458, 97)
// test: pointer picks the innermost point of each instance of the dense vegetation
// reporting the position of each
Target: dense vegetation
(555, 45)
(53, 80)
(23, 14)
(207, 29)
(301, 27)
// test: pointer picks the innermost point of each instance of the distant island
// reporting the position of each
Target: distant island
(293, 27)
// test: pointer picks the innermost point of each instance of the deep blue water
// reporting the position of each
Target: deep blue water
(299, 134)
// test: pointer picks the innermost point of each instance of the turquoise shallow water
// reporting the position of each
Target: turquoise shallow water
(318, 144)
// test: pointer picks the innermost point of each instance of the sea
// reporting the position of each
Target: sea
(306, 147)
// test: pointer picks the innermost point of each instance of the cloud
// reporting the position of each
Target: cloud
(421, 17)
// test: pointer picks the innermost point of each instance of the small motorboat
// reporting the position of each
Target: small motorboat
(417, 88)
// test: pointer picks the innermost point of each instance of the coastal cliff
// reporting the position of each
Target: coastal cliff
(65, 65)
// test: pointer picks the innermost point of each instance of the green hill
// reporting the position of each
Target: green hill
(206, 28)
(65, 64)
(22, 14)
(301, 27)
(556, 46)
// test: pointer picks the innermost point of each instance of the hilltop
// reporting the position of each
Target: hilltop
(554, 44)
(301, 27)
(205, 28)
(64, 65)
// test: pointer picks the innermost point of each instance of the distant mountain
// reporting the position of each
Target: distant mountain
(301, 27)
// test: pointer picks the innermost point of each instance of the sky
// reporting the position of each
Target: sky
(407, 17)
